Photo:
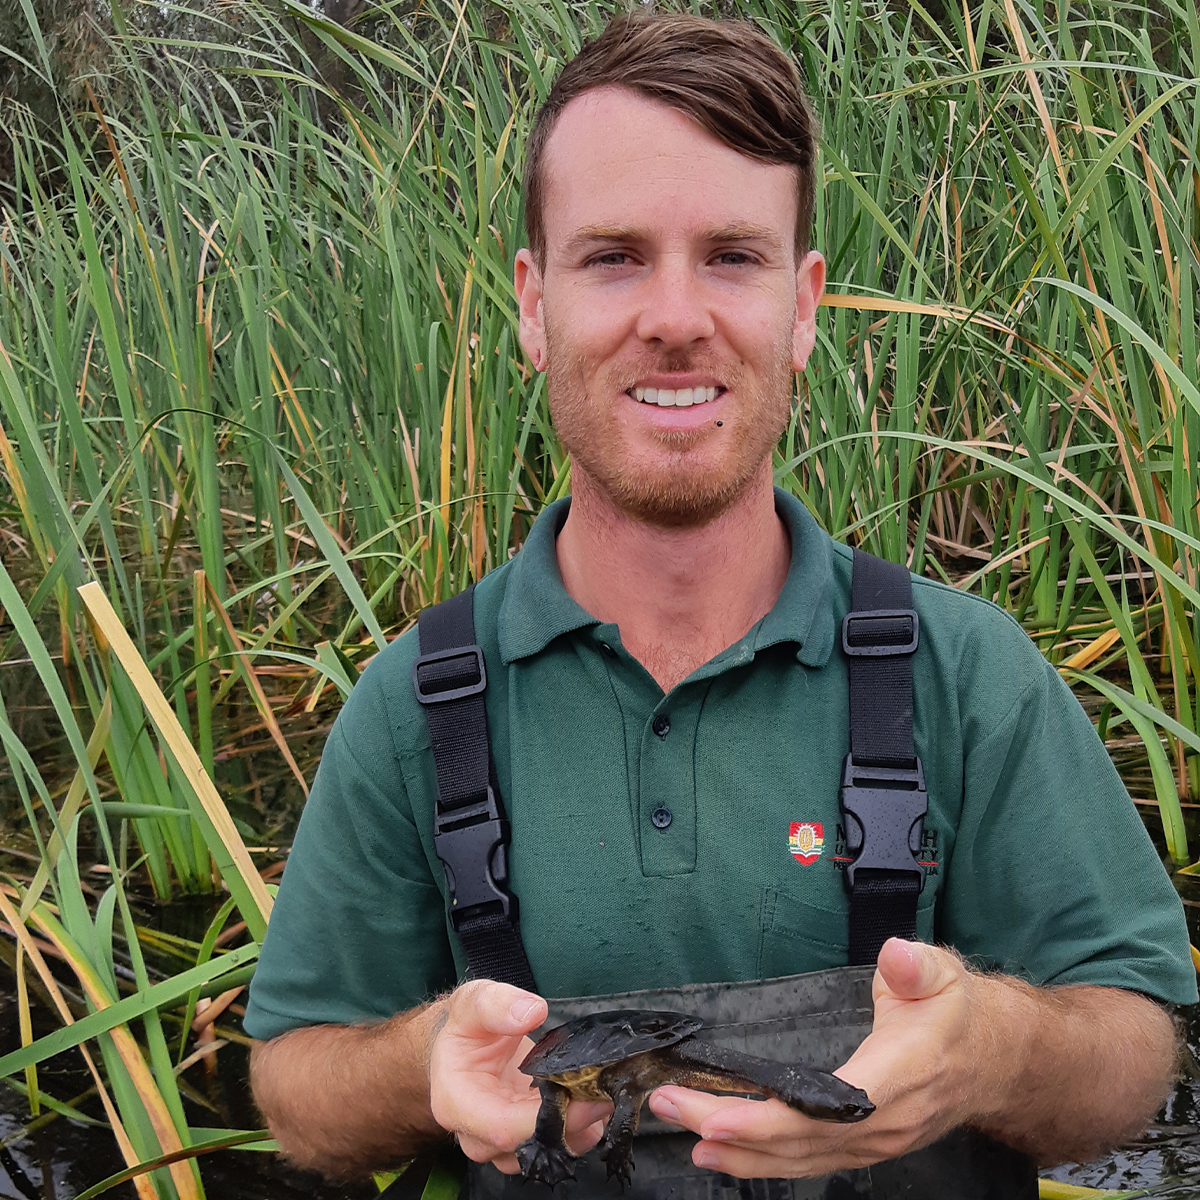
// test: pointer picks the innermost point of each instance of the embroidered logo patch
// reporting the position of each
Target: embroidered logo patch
(806, 840)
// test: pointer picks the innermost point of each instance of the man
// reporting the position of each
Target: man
(665, 700)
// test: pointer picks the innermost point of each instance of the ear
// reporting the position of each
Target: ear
(810, 286)
(531, 330)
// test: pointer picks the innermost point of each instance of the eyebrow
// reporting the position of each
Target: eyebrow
(745, 233)
(590, 235)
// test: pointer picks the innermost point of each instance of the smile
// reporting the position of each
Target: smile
(675, 397)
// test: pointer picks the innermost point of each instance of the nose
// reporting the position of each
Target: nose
(674, 312)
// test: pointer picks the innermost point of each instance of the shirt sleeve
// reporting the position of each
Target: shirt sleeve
(1053, 876)
(358, 930)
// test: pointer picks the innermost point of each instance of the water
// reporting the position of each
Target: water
(64, 1157)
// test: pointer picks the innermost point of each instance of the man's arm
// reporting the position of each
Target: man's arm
(1062, 1074)
(348, 1099)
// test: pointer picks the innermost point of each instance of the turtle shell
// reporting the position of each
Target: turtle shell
(605, 1037)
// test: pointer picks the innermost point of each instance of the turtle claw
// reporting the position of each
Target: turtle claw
(619, 1161)
(551, 1165)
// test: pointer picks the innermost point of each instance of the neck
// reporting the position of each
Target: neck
(678, 596)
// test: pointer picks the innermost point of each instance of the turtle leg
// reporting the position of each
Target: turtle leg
(616, 1146)
(817, 1094)
(545, 1157)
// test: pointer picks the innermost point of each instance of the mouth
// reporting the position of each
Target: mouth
(675, 397)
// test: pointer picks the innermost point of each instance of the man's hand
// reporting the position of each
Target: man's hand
(476, 1090)
(950, 1047)
(348, 1099)
(914, 1065)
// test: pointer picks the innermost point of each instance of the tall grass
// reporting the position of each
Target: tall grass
(260, 389)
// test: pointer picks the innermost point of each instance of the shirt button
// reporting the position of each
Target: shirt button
(661, 818)
(607, 650)
(662, 726)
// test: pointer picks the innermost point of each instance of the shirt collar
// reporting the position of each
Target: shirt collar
(537, 609)
(804, 611)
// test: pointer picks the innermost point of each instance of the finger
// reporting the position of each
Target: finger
(494, 1123)
(482, 1149)
(914, 970)
(581, 1142)
(745, 1163)
(582, 1114)
(683, 1106)
(507, 1163)
(484, 1008)
(731, 1118)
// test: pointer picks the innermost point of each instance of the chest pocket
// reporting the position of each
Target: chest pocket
(797, 935)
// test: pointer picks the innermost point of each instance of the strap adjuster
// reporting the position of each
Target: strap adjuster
(880, 632)
(426, 677)
(883, 812)
(464, 838)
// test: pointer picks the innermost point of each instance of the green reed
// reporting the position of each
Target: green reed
(259, 377)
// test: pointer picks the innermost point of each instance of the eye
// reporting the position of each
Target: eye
(609, 258)
(734, 258)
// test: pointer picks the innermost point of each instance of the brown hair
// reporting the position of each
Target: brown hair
(728, 76)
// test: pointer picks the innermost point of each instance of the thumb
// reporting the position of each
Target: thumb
(914, 970)
(484, 1009)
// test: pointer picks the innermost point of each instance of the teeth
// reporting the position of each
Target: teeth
(677, 398)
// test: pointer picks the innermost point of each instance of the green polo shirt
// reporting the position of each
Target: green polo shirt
(694, 836)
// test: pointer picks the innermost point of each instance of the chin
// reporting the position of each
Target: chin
(675, 500)
(676, 479)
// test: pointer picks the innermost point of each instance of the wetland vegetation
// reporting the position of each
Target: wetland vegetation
(261, 399)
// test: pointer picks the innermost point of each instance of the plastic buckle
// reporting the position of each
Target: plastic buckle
(466, 839)
(883, 811)
(888, 648)
(439, 696)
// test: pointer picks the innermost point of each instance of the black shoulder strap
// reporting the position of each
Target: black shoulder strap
(883, 799)
(470, 832)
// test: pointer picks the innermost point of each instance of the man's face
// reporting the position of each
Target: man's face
(671, 311)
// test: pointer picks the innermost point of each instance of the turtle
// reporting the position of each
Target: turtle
(624, 1055)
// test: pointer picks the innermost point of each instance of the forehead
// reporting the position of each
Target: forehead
(616, 159)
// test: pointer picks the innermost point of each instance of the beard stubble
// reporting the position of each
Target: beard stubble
(704, 471)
